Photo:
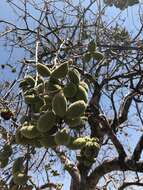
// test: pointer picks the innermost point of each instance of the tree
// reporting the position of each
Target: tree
(76, 100)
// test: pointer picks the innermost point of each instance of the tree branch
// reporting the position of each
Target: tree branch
(110, 166)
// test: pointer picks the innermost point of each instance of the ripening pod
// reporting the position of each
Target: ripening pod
(43, 70)
(98, 55)
(61, 71)
(70, 90)
(76, 109)
(18, 165)
(74, 76)
(20, 178)
(81, 94)
(46, 121)
(77, 143)
(84, 85)
(48, 142)
(62, 137)
(74, 122)
(29, 132)
(3, 163)
(30, 80)
(59, 104)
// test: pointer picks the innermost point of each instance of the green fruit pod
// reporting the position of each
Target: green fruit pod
(48, 142)
(43, 70)
(98, 55)
(84, 85)
(70, 90)
(77, 143)
(59, 104)
(20, 178)
(30, 80)
(76, 109)
(18, 165)
(74, 76)
(81, 94)
(20, 139)
(62, 137)
(46, 121)
(29, 132)
(74, 122)
(61, 71)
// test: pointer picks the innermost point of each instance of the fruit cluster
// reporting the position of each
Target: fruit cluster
(57, 96)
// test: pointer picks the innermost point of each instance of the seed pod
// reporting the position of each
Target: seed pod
(43, 70)
(48, 142)
(20, 178)
(74, 76)
(18, 165)
(30, 80)
(59, 105)
(76, 109)
(29, 132)
(70, 90)
(81, 94)
(98, 55)
(46, 121)
(61, 71)
(77, 143)
(20, 139)
(74, 122)
(62, 137)
(84, 85)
